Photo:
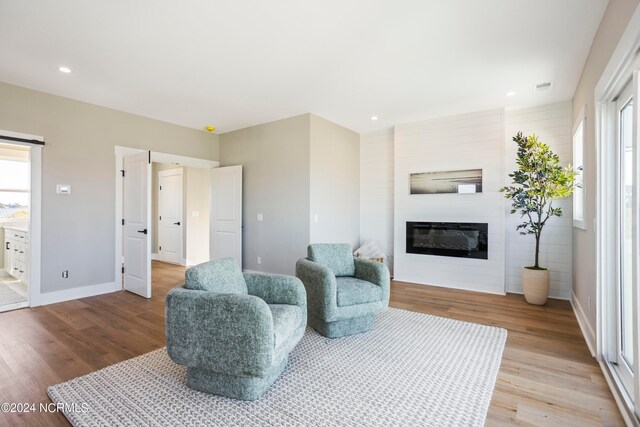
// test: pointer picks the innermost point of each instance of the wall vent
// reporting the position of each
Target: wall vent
(543, 86)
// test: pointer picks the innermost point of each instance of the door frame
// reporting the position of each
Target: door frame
(171, 172)
(34, 249)
(155, 157)
(614, 78)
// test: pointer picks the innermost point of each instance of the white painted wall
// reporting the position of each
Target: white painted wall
(469, 141)
(376, 191)
(552, 123)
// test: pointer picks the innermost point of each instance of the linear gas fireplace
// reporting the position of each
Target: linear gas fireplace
(455, 239)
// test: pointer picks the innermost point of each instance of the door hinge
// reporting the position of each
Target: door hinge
(161, 187)
(123, 269)
(160, 217)
(160, 248)
(122, 170)
(149, 156)
(122, 221)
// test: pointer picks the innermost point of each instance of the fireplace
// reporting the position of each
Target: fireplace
(454, 239)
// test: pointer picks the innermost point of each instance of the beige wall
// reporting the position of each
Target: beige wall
(198, 195)
(275, 160)
(334, 183)
(78, 230)
(611, 28)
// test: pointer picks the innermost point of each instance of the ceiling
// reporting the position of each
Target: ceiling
(234, 64)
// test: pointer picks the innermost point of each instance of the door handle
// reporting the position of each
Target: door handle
(143, 231)
(176, 223)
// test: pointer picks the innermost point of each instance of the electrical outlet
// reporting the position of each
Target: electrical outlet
(315, 218)
(589, 303)
(260, 217)
(259, 260)
(65, 274)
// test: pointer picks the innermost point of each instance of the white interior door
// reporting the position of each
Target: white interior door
(137, 240)
(226, 213)
(170, 221)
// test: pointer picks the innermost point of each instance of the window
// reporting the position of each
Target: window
(14, 189)
(626, 237)
(579, 201)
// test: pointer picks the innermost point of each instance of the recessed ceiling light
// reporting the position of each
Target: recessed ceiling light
(65, 70)
(511, 93)
(374, 118)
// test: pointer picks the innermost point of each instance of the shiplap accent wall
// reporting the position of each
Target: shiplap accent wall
(552, 123)
(469, 141)
(376, 191)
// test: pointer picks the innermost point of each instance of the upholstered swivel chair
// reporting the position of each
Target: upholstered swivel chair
(234, 331)
(343, 292)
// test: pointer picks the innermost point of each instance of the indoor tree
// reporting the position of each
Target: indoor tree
(539, 180)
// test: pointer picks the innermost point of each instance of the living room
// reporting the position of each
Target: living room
(303, 139)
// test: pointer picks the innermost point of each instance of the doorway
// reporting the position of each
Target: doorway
(20, 190)
(206, 205)
(169, 191)
(14, 226)
(180, 214)
(618, 218)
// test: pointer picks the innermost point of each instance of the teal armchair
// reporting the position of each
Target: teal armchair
(233, 330)
(343, 292)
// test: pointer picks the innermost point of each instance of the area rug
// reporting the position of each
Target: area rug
(412, 369)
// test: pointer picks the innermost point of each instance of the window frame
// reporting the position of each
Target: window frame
(579, 145)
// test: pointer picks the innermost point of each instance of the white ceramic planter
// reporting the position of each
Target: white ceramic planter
(535, 284)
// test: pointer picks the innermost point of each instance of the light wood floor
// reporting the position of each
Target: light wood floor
(547, 376)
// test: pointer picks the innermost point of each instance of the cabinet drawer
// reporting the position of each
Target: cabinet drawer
(20, 251)
(20, 236)
(19, 270)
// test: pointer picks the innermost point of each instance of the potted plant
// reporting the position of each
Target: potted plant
(539, 180)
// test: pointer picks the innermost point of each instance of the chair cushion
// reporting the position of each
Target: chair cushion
(286, 319)
(352, 291)
(222, 276)
(336, 256)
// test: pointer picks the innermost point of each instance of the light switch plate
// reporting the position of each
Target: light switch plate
(260, 217)
(63, 189)
(195, 214)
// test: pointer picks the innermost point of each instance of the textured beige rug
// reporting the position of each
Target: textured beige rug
(412, 370)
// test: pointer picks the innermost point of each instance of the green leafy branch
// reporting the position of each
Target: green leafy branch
(539, 180)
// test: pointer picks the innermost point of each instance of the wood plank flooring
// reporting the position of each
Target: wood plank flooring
(547, 376)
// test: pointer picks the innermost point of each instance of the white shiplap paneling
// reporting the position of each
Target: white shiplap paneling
(470, 141)
(376, 190)
(552, 123)
(467, 134)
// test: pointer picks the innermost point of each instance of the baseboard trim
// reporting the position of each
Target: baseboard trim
(77, 293)
(155, 256)
(587, 331)
(461, 288)
(551, 295)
